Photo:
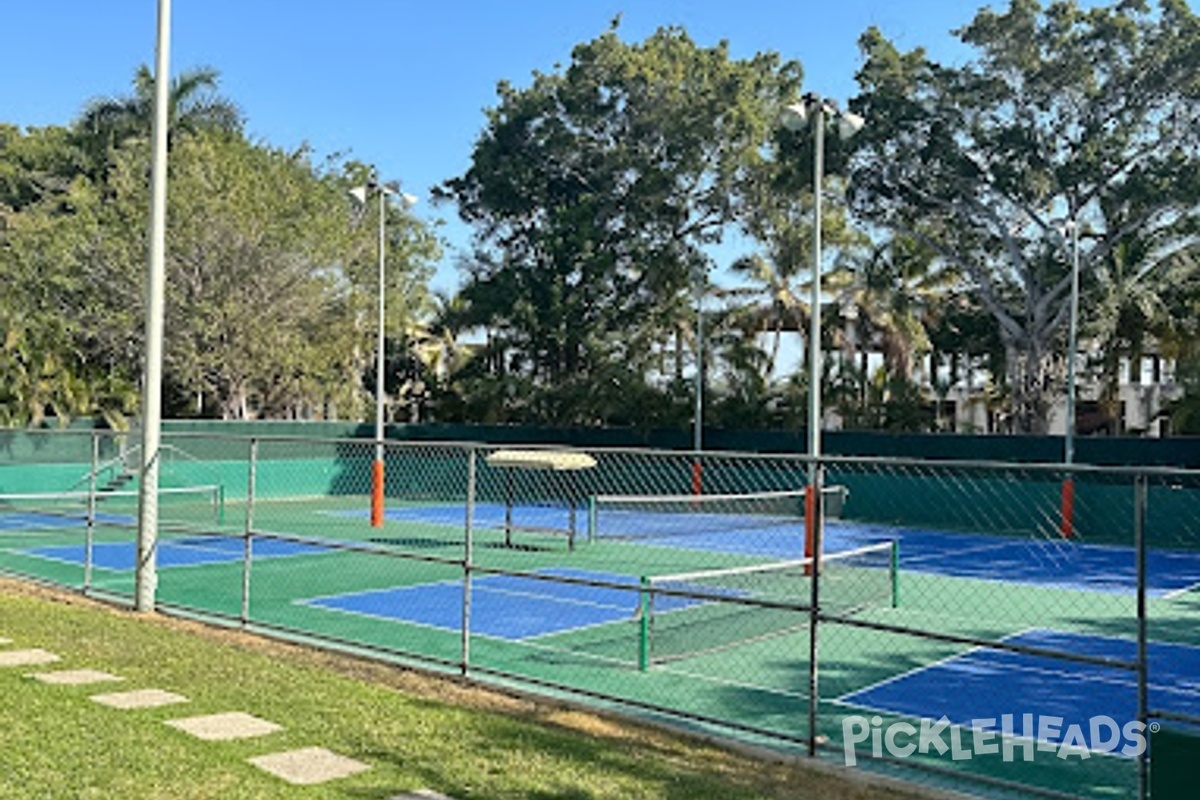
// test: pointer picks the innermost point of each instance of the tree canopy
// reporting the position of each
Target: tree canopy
(271, 278)
(1067, 115)
(594, 193)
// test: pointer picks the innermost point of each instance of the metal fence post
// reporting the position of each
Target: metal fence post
(591, 518)
(90, 532)
(814, 695)
(248, 551)
(466, 591)
(1140, 498)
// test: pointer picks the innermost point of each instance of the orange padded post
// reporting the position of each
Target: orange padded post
(1067, 521)
(377, 494)
(810, 520)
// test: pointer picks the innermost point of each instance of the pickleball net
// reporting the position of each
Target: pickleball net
(614, 516)
(182, 506)
(693, 613)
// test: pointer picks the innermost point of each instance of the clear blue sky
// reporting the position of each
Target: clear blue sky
(403, 83)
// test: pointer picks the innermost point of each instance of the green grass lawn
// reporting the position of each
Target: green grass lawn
(415, 731)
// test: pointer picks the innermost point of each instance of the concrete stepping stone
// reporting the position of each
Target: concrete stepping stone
(74, 677)
(140, 698)
(226, 726)
(422, 794)
(308, 766)
(25, 658)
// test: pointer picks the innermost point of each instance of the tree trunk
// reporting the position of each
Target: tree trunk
(1029, 375)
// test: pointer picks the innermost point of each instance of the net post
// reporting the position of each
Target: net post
(895, 568)
(644, 625)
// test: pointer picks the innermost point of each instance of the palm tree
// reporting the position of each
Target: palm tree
(781, 275)
(192, 105)
(1128, 306)
(888, 298)
(893, 291)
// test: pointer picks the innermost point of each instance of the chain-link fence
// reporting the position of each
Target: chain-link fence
(1016, 629)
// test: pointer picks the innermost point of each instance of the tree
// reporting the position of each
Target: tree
(1179, 338)
(782, 272)
(193, 105)
(1066, 114)
(269, 293)
(269, 281)
(889, 296)
(34, 165)
(593, 193)
(892, 291)
(53, 314)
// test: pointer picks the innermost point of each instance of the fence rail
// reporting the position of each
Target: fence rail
(1008, 627)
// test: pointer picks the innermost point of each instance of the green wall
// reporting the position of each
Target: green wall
(298, 459)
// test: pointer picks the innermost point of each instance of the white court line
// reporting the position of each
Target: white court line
(1177, 592)
(59, 559)
(311, 602)
(556, 599)
(910, 672)
(314, 602)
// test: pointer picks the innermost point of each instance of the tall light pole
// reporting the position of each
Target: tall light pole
(795, 117)
(146, 573)
(362, 195)
(816, 110)
(1072, 343)
(698, 411)
(1067, 522)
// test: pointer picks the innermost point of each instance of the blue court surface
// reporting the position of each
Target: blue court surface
(1053, 563)
(503, 606)
(188, 552)
(1050, 562)
(983, 684)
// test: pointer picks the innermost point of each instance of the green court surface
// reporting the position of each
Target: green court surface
(566, 618)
